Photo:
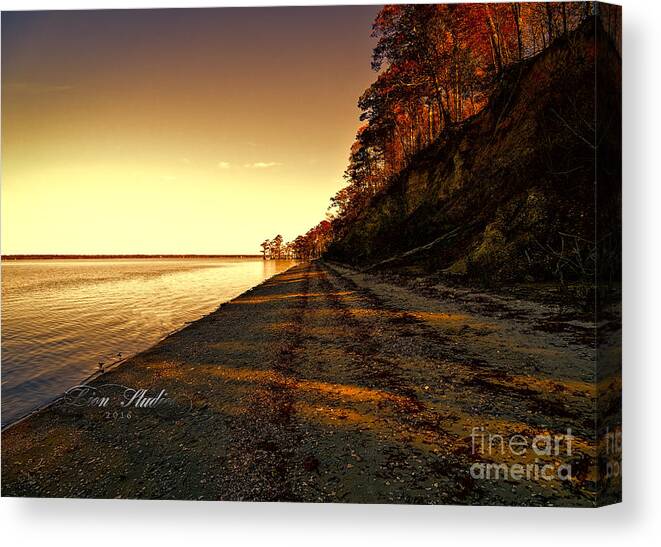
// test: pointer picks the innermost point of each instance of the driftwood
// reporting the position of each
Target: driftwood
(445, 237)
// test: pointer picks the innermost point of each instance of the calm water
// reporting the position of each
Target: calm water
(60, 318)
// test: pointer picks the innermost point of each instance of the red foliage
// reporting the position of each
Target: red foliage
(437, 66)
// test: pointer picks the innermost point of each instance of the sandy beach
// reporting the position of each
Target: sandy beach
(326, 384)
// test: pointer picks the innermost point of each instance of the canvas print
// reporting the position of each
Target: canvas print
(338, 254)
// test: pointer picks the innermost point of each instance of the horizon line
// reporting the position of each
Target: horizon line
(20, 256)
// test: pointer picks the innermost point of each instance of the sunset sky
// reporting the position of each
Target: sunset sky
(176, 131)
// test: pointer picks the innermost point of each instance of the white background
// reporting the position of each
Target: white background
(634, 522)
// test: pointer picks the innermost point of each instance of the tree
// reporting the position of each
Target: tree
(265, 245)
(276, 247)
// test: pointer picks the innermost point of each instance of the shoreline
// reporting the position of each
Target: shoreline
(322, 384)
(112, 366)
(119, 257)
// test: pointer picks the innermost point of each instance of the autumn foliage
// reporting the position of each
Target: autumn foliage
(437, 65)
(307, 246)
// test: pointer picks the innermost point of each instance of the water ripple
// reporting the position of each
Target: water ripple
(60, 318)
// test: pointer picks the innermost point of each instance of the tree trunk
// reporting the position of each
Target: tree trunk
(494, 40)
(516, 11)
(549, 21)
(430, 121)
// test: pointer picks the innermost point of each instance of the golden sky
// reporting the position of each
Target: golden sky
(176, 131)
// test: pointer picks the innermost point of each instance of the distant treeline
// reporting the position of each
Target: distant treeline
(306, 247)
(68, 257)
